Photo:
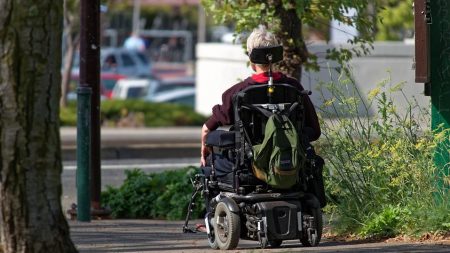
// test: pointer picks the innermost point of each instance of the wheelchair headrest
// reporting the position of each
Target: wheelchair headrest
(262, 55)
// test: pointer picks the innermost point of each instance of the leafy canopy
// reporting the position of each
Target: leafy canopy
(246, 15)
(396, 20)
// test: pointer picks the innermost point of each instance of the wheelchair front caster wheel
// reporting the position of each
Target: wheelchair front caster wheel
(212, 242)
(313, 233)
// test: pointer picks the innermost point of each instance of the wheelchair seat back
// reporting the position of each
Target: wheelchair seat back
(249, 103)
(252, 108)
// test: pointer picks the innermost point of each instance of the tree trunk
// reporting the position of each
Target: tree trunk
(291, 35)
(30, 170)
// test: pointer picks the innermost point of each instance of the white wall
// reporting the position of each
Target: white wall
(219, 66)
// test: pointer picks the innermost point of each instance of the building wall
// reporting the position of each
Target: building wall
(219, 66)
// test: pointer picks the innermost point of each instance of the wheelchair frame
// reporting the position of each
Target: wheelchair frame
(256, 212)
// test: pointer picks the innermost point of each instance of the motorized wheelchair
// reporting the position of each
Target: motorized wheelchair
(238, 204)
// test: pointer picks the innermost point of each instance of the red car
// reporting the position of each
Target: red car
(107, 83)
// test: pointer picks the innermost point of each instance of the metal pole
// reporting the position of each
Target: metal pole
(90, 75)
(83, 152)
(201, 27)
(440, 84)
(136, 16)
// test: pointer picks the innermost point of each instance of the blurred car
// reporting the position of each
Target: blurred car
(132, 88)
(72, 96)
(120, 61)
(149, 88)
(107, 83)
(184, 96)
(169, 85)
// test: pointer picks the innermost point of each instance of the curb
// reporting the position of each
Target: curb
(139, 152)
(138, 143)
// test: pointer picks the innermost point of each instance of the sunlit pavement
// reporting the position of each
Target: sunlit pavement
(166, 236)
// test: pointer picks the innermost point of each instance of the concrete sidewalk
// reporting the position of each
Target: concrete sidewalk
(132, 236)
(138, 143)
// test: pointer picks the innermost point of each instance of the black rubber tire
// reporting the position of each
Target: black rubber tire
(212, 238)
(275, 243)
(317, 214)
(227, 227)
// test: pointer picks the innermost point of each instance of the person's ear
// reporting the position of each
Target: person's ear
(253, 66)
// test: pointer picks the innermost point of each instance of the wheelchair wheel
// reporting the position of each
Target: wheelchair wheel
(275, 243)
(211, 237)
(227, 228)
(314, 239)
(212, 242)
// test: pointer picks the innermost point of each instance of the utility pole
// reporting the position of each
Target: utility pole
(201, 27)
(136, 16)
(88, 155)
(439, 19)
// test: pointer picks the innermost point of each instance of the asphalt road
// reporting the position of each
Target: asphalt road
(138, 143)
(145, 236)
(134, 136)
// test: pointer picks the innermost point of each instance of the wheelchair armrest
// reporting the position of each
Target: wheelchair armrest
(221, 139)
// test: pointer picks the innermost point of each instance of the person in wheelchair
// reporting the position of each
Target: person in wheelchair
(259, 180)
(222, 114)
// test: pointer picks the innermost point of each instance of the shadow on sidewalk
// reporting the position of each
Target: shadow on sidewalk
(101, 236)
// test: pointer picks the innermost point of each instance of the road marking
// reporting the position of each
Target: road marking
(140, 166)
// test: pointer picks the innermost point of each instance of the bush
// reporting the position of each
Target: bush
(138, 113)
(381, 177)
(164, 195)
(68, 115)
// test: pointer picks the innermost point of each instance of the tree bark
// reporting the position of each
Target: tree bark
(30, 170)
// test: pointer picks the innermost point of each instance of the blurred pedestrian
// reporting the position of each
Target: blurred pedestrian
(134, 42)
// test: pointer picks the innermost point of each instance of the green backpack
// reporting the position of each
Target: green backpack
(279, 158)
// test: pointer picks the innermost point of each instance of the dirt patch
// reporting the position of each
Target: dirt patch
(438, 238)
(426, 238)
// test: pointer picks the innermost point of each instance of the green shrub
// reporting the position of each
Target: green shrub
(380, 174)
(385, 223)
(163, 195)
(138, 113)
(68, 115)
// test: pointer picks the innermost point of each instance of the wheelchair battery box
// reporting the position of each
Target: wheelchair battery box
(221, 139)
(281, 219)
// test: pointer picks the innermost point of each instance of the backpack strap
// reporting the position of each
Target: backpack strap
(292, 108)
(263, 111)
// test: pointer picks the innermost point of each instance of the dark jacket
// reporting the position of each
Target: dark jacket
(223, 114)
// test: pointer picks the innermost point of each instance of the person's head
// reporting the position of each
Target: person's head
(260, 37)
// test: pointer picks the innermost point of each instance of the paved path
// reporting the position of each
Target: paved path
(127, 236)
(138, 143)
(135, 136)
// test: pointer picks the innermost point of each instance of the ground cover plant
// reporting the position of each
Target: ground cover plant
(137, 113)
(162, 195)
(381, 179)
